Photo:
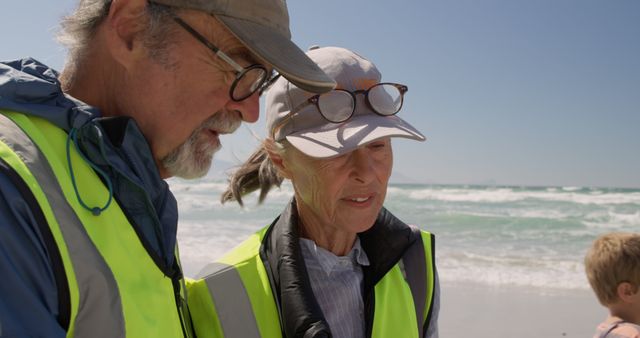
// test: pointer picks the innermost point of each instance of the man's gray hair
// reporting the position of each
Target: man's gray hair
(78, 28)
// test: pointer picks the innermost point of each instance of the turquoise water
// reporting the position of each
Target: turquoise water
(521, 236)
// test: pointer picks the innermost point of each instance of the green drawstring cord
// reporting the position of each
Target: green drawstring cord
(95, 210)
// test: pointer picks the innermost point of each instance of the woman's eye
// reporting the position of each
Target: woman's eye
(377, 145)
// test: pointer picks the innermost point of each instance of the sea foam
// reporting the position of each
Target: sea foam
(524, 236)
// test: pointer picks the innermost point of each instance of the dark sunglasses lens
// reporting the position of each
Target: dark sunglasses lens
(336, 106)
(249, 81)
(385, 99)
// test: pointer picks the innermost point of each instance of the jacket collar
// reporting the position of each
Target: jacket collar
(385, 243)
(30, 87)
(300, 314)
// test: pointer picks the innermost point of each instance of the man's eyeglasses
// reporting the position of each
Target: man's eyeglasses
(339, 105)
(248, 79)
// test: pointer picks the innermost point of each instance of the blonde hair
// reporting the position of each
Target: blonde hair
(613, 258)
(258, 172)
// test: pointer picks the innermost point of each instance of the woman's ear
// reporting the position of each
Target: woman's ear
(280, 163)
(626, 291)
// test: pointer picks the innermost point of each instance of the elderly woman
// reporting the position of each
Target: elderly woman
(335, 263)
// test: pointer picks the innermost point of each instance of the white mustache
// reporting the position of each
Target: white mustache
(223, 122)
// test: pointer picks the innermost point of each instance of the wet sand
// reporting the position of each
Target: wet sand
(470, 310)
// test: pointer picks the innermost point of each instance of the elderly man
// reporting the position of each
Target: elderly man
(87, 224)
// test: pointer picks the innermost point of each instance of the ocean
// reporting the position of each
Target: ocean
(532, 237)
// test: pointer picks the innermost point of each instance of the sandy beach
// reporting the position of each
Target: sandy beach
(474, 310)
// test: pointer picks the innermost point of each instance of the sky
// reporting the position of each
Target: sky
(507, 92)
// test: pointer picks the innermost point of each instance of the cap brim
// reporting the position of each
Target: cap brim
(281, 52)
(337, 139)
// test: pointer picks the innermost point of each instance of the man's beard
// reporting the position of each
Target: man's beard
(192, 159)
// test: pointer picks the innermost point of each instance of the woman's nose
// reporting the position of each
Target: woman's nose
(363, 170)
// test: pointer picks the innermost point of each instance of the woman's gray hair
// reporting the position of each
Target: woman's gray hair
(78, 28)
(258, 172)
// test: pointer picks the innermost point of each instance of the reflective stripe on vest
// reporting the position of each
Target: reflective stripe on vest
(238, 286)
(236, 290)
(416, 278)
(115, 287)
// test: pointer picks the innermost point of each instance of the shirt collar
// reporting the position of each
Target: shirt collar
(328, 261)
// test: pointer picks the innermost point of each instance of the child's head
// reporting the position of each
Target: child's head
(613, 259)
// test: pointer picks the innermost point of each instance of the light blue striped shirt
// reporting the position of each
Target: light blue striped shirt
(337, 283)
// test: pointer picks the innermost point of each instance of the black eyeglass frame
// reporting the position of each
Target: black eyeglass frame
(240, 71)
(316, 99)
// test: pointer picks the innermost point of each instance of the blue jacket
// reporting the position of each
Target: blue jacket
(116, 148)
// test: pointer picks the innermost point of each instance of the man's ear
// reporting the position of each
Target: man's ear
(124, 28)
(280, 163)
(626, 291)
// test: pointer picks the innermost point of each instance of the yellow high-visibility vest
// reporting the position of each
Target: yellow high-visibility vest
(115, 288)
(236, 299)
